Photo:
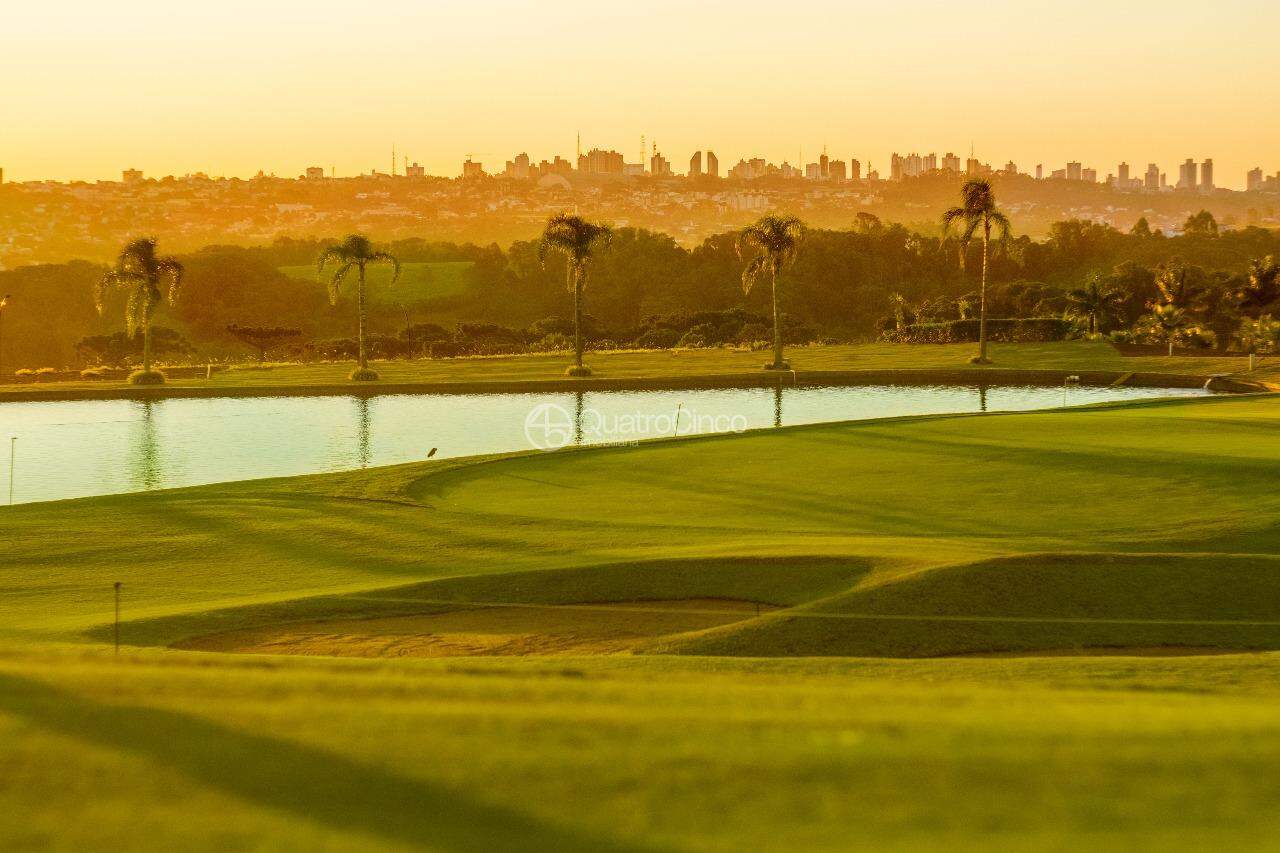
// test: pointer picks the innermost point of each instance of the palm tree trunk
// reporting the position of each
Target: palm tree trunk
(577, 318)
(362, 359)
(982, 295)
(146, 344)
(777, 324)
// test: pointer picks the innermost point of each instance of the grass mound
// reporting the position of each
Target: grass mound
(1050, 602)
(773, 582)
(146, 377)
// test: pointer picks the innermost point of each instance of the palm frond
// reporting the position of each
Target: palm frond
(755, 268)
(388, 258)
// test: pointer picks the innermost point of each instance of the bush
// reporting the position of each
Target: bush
(554, 342)
(658, 339)
(754, 333)
(692, 340)
(46, 374)
(146, 377)
(363, 374)
(24, 374)
(1033, 330)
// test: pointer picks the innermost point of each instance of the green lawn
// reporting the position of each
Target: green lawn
(675, 364)
(829, 724)
(418, 281)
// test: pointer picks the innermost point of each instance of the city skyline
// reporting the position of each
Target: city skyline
(294, 89)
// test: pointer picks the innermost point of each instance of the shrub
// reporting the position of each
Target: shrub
(692, 340)
(24, 374)
(554, 342)
(658, 339)
(146, 377)
(46, 374)
(754, 333)
(1032, 330)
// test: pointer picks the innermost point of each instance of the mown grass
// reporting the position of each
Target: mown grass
(1151, 525)
(677, 364)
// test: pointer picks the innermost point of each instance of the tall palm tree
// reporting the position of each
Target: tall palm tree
(140, 272)
(356, 252)
(578, 241)
(978, 211)
(775, 240)
(1096, 301)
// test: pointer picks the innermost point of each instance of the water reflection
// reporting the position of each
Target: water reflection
(777, 405)
(146, 471)
(982, 398)
(579, 399)
(364, 424)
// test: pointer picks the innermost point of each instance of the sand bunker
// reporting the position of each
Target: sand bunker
(576, 629)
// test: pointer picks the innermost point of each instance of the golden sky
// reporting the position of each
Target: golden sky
(236, 86)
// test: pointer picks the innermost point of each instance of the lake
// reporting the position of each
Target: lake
(81, 448)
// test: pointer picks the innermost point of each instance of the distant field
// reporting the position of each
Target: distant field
(673, 364)
(418, 281)
(1108, 580)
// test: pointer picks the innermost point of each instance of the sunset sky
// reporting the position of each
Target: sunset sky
(92, 88)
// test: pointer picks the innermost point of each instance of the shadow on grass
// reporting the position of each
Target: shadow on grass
(315, 785)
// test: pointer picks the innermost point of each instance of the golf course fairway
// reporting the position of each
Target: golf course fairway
(1051, 630)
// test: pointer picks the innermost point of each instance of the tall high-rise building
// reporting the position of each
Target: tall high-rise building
(1122, 176)
(519, 167)
(713, 165)
(1073, 171)
(895, 167)
(824, 166)
(597, 162)
(315, 173)
(1206, 176)
(930, 163)
(835, 170)
(1253, 181)
(131, 176)
(1089, 176)
(472, 169)
(1011, 168)
(1153, 177)
(660, 166)
(855, 170)
(416, 171)
(950, 163)
(695, 165)
(1039, 171)
(1187, 175)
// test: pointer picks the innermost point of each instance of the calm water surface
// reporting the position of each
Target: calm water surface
(81, 448)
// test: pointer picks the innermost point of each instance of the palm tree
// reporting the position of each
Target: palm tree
(978, 210)
(139, 272)
(1096, 301)
(578, 240)
(776, 240)
(356, 252)
(1170, 318)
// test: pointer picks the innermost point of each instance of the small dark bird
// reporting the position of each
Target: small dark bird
(432, 453)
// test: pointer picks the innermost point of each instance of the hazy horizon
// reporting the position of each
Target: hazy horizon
(283, 86)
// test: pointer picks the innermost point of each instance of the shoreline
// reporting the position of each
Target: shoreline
(991, 376)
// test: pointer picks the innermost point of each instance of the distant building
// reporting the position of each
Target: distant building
(415, 170)
(1039, 171)
(1089, 176)
(951, 163)
(855, 170)
(1206, 176)
(1073, 171)
(1187, 175)
(315, 173)
(713, 165)
(1152, 182)
(813, 171)
(695, 165)
(660, 166)
(131, 176)
(520, 168)
(1122, 176)
(1010, 168)
(1058, 175)
(472, 169)
(1254, 181)
(598, 162)
(835, 170)
(895, 167)
(930, 163)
